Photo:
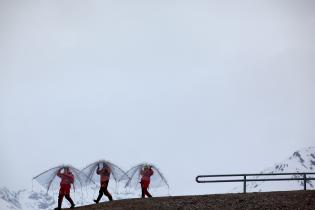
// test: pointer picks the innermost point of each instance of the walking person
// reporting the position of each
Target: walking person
(67, 179)
(146, 173)
(104, 174)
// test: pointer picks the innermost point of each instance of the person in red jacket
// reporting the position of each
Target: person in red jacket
(104, 179)
(67, 179)
(146, 173)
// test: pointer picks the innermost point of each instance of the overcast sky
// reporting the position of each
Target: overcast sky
(196, 87)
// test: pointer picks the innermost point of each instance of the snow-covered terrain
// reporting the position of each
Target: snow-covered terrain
(300, 161)
(37, 199)
(25, 199)
(40, 200)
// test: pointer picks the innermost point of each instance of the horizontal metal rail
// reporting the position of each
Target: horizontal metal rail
(245, 179)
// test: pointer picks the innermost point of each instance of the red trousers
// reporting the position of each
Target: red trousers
(64, 189)
(64, 192)
(144, 188)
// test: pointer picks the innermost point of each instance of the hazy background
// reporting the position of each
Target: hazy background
(196, 87)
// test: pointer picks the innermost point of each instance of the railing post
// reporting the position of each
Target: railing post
(245, 184)
(304, 177)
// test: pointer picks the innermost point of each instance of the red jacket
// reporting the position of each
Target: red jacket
(104, 173)
(66, 178)
(146, 174)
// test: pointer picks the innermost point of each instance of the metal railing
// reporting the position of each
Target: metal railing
(297, 177)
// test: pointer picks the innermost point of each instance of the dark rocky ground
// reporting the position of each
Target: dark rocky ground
(293, 200)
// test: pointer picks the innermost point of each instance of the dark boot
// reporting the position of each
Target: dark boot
(60, 198)
(100, 194)
(148, 194)
(70, 201)
(145, 192)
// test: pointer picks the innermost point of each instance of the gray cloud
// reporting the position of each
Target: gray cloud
(195, 87)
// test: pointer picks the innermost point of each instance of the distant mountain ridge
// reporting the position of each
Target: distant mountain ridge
(300, 161)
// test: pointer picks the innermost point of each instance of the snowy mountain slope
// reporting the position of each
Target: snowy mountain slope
(9, 199)
(25, 199)
(40, 200)
(37, 199)
(300, 161)
(4, 205)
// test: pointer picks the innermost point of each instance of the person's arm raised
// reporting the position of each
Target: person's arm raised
(59, 173)
(98, 171)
